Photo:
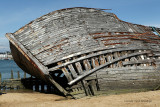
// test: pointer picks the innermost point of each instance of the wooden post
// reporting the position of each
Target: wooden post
(48, 88)
(18, 75)
(37, 84)
(0, 78)
(42, 87)
(11, 74)
(30, 83)
(24, 74)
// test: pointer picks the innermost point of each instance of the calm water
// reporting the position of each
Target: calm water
(5, 69)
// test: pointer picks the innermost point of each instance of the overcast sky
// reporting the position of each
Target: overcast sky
(16, 13)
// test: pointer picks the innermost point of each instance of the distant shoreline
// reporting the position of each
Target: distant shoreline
(6, 59)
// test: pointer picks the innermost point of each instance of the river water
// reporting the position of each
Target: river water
(5, 69)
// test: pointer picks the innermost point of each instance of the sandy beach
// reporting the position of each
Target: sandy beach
(36, 99)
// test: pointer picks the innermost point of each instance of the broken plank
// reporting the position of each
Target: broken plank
(104, 65)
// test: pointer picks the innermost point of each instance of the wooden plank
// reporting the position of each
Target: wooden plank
(83, 82)
(93, 87)
(86, 64)
(140, 61)
(0, 78)
(104, 65)
(96, 62)
(142, 58)
(102, 59)
(156, 54)
(26, 53)
(66, 73)
(92, 55)
(92, 83)
(133, 68)
(133, 59)
(12, 77)
(116, 55)
(71, 68)
(68, 49)
(95, 84)
(101, 52)
(18, 75)
(109, 59)
(60, 88)
(79, 68)
(127, 59)
(24, 75)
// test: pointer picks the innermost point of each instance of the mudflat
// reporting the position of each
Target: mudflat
(141, 99)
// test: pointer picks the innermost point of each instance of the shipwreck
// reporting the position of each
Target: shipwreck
(85, 51)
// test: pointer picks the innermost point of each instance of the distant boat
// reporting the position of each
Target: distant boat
(87, 51)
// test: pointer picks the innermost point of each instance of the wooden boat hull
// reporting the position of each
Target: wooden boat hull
(25, 64)
(86, 51)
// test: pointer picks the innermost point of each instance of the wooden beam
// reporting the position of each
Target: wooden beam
(95, 54)
(12, 77)
(140, 61)
(26, 53)
(104, 65)
(83, 82)
(88, 51)
(74, 73)
(33, 60)
(0, 79)
(18, 75)
(60, 88)
(66, 73)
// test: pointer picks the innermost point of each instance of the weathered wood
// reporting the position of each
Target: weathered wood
(140, 61)
(102, 59)
(60, 88)
(18, 75)
(109, 59)
(92, 55)
(93, 88)
(0, 78)
(71, 68)
(91, 85)
(79, 68)
(116, 55)
(131, 68)
(58, 40)
(24, 74)
(104, 65)
(66, 73)
(86, 64)
(26, 53)
(83, 82)
(95, 64)
(12, 77)
(140, 46)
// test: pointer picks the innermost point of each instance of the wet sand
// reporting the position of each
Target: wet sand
(142, 99)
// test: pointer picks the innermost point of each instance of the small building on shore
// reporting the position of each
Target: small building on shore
(5, 55)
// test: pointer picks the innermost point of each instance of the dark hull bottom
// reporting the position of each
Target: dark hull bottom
(26, 64)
